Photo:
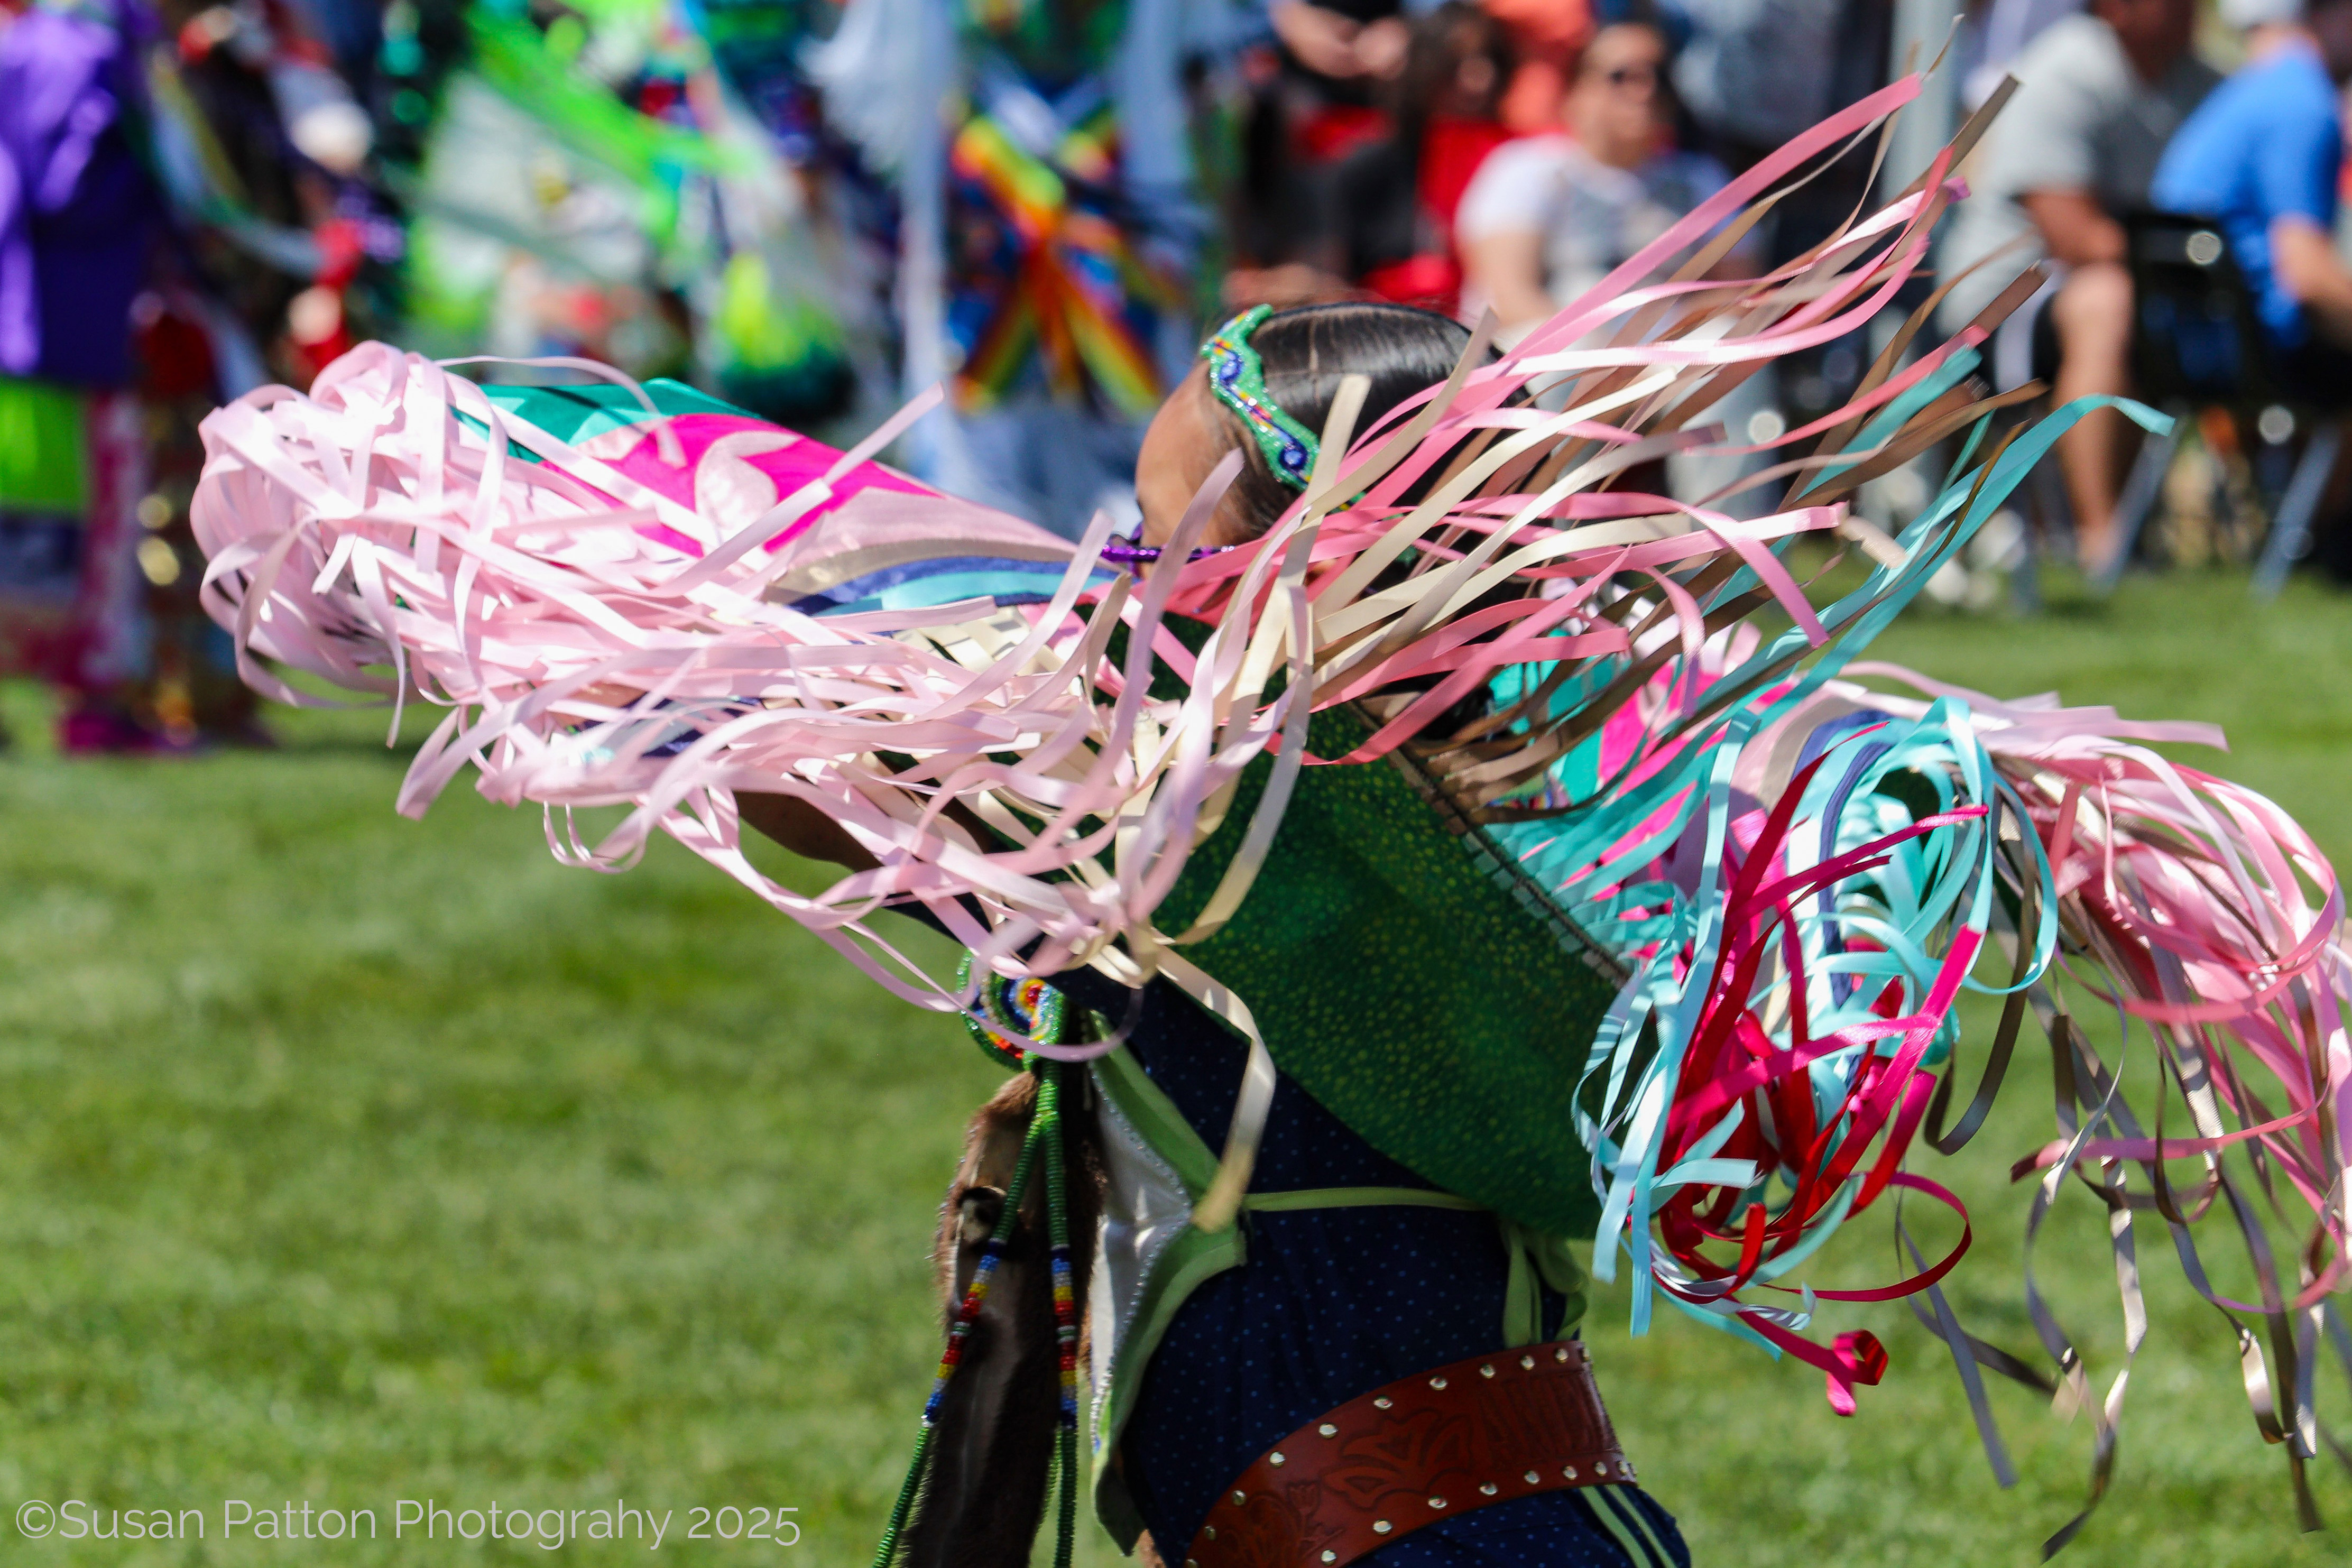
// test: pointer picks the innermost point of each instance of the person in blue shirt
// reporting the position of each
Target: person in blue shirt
(2262, 157)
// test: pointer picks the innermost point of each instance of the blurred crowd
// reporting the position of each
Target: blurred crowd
(813, 208)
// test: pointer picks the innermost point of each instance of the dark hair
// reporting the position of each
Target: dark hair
(1668, 103)
(1306, 352)
(1443, 41)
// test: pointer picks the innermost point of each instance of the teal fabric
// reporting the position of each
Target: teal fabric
(576, 413)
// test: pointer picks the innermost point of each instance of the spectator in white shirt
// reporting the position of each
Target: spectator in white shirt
(1548, 216)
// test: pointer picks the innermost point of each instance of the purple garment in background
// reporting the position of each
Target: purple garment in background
(76, 209)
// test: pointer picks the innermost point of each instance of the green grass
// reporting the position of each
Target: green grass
(345, 1159)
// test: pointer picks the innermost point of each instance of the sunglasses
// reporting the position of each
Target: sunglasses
(1642, 77)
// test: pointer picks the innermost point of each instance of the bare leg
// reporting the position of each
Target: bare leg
(2093, 315)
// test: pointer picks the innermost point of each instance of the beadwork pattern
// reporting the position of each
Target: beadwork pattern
(1237, 377)
(1026, 1008)
(1030, 1009)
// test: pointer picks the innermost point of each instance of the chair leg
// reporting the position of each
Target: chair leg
(2025, 582)
(2138, 500)
(2291, 528)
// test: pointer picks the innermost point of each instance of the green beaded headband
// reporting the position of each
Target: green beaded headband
(1237, 376)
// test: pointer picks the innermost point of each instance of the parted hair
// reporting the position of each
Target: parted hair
(1306, 352)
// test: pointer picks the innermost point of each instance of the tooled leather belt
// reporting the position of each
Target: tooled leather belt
(1425, 1448)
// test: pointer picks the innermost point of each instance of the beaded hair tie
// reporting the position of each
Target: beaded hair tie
(1237, 376)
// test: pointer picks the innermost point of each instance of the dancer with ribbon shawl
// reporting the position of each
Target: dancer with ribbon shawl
(1439, 845)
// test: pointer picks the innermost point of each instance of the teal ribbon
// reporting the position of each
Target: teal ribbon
(1869, 931)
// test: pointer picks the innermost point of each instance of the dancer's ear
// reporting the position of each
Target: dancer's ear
(1179, 450)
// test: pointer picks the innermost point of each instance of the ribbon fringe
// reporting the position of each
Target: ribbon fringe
(1798, 867)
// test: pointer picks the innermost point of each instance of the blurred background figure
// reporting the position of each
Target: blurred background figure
(1754, 73)
(1395, 202)
(1545, 37)
(2264, 156)
(1047, 235)
(2098, 96)
(106, 359)
(1547, 216)
(1355, 42)
(1757, 73)
(1315, 97)
(635, 182)
(1995, 33)
(76, 214)
(1388, 230)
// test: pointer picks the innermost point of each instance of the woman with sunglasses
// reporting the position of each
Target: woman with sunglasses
(1547, 216)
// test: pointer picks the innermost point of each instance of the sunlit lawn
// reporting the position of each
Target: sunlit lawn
(346, 1160)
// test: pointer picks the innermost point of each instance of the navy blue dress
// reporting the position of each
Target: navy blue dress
(1331, 1304)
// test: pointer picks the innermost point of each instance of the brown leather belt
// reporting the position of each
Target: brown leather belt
(1425, 1448)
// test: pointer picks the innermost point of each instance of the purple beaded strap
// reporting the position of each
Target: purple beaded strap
(1134, 552)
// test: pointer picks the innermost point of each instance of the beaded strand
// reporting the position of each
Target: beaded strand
(975, 1296)
(1033, 1008)
(1065, 1314)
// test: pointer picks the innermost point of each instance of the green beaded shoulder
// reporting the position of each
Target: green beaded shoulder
(1412, 981)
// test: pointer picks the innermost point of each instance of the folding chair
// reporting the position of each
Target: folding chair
(2198, 343)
